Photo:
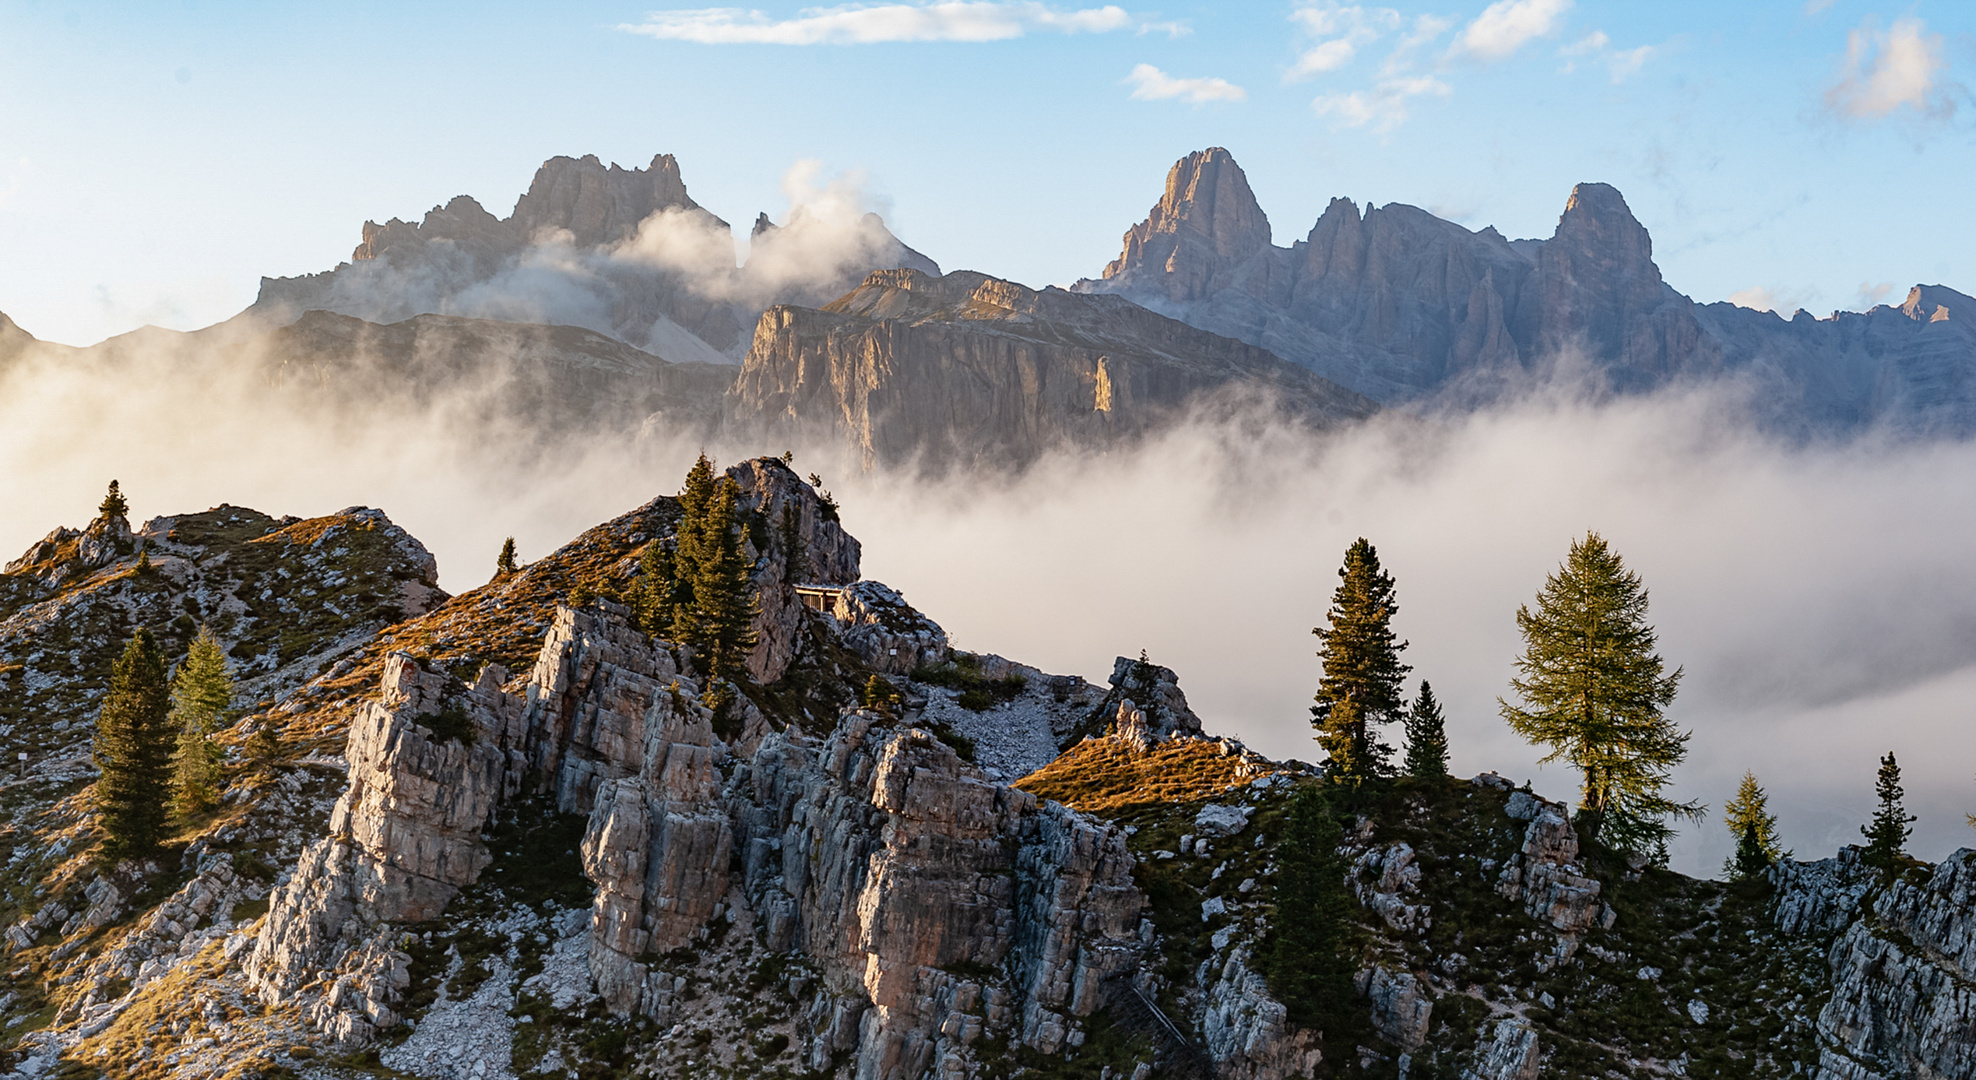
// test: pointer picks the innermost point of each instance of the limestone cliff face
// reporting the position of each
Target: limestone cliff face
(969, 369)
(1400, 305)
(1903, 966)
(938, 907)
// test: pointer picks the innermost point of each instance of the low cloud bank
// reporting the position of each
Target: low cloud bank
(1822, 600)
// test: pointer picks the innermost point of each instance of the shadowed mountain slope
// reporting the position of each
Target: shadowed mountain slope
(1403, 306)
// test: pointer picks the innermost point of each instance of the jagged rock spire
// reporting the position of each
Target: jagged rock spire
(1206, 221)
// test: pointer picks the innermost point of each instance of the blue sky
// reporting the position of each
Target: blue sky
(155, 160)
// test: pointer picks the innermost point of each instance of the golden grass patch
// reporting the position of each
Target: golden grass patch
(1109, 776)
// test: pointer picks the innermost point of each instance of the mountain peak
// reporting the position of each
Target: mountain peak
(1206, 222)
(1598, 214)
(599, 204)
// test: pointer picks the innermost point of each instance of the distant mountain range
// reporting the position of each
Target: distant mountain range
(609, 299)
(1403, 306)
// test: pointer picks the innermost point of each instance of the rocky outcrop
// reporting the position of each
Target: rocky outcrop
(940, 908)
(1248, 1033)
(428, 762)
(966, 369)
(1544, 875)
(1903, 998)
(1145, 706)
(1400, 305)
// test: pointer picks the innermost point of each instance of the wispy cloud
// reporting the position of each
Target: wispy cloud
(1508, 25)
(1381, 108)
(1871, 295)
(1151, 84)
(861, 24)
(1764, 298)
(1339, 32)
(1884, 71)
(1597, 45)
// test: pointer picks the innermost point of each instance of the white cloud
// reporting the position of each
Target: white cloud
(1341, 31)
(1871, 295)
(858, 24)
(1594, 42)
(1884, 71)
(1151, 84)
(1625, 64)
(1763, 298)
(1507, 25)
(1814, 7)
(1384, 106)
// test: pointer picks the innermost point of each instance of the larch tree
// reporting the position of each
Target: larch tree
(1363, 677)
(133, 749)
(202, 694)
(1750, 821)
(1886, 835)
(507, 562)
(1427, 737)
(1595, 690)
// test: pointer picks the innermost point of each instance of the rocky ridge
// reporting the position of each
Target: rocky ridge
(462, 260)
(966, 369)
(1403, 306)
(512, 839)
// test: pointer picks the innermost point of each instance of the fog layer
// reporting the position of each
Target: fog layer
(1820, 599)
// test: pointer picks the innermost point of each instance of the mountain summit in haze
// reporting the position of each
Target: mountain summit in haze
(1403, 306)
(625, 252)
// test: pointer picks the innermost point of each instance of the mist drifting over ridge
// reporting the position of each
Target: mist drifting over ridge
(1814, 591)
(1814, 594)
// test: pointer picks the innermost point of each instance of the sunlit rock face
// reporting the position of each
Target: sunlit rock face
(915, 370)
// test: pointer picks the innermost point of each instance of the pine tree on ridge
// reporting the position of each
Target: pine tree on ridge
(133, 748)
(1886, 835)
(1362, 682)
(1427, 737)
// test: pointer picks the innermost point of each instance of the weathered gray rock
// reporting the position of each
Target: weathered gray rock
(1904, 982)
(1402, 1007)
(1511, 1054)
(1248, 1033)
(1544, 875)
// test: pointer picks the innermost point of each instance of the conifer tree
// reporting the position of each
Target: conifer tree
(723, 591)
(693, 546)
(202, 693)
(1755, 829)
(1594, 689)
(660, 590)
(133, 749)
(264, 745)
(507, 562)
(795, 555)
(1427, 737)
(1363, 675)
(143, 561)
(1886, 835)
(114, 505)
(1301, 957)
